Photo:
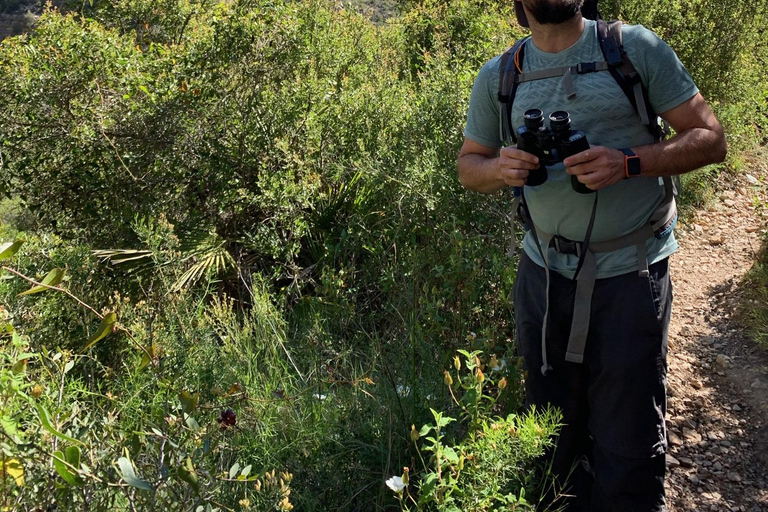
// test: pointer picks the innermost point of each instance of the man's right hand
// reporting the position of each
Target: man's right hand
(515, 164)
(487, 169)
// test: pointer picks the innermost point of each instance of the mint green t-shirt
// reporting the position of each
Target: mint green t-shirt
(604, 113)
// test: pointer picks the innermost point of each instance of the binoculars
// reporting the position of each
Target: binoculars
(552, 145)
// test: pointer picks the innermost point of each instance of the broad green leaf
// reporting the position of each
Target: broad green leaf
(188, 474)
(62, 469)
(192, 423)
(151, 352)
(54, 278)
(427, 486)
(189, 401)
(246, 471)
(45, 419)
(105, 327)
(450, 455)
(129, 475)
(73, 456)
(13, 469)
(7, 250)
(425, 430)
(234, 470)
(68, 366)
(8, 425)
(19, 366)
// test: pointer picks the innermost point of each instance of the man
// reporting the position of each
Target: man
(611, 449)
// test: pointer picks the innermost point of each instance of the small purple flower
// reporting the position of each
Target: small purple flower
(226, 419)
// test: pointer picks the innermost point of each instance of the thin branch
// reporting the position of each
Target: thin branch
(101, 317)
(62, 290)
(101, 129)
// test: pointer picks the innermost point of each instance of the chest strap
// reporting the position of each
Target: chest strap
(566, 72)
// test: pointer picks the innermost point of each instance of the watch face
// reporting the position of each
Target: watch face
(633, 166)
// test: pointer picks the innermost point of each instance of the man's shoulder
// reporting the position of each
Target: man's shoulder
(489, 73)
(637, 38)
(491, 67)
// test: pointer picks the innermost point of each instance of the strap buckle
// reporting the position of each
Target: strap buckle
(586, 67)
(565, 246)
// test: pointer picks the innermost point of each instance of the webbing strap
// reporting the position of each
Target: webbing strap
(540, 74)
(639, 99)
(547, 241)
(582, 309)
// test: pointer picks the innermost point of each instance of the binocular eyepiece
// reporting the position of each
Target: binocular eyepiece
(552, 145)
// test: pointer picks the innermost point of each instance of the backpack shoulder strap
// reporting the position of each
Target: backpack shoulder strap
(624, 72)
(510, 68)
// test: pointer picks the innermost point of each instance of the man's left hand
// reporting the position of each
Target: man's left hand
(597, 167)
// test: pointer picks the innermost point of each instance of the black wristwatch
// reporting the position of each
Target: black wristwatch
(631, 163)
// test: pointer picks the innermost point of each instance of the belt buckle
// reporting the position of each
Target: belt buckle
(565, 246)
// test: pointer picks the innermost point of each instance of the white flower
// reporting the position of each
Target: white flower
(500, 366)
(396, 484)
(320, 396)
(403, 390)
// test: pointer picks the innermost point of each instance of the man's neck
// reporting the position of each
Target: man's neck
(556, 38)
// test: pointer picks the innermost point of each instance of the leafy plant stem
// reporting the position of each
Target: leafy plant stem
(152, 359)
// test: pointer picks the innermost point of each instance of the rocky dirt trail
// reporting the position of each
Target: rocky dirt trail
(718, 378)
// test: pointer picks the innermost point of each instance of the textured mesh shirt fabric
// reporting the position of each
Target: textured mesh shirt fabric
(604, 113)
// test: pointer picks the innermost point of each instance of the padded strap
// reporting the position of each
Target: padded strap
(508, 88)
(626, 76)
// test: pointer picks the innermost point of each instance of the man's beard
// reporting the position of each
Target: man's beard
(554, 12)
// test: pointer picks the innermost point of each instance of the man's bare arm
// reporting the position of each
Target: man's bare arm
(700, 141)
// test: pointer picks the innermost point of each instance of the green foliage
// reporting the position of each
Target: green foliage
(271, 193)
(490, 466)
(752, 310)
(725, 47)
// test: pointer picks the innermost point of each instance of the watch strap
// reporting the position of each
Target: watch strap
(631, 163)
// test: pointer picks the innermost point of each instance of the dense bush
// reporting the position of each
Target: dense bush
(293, 157)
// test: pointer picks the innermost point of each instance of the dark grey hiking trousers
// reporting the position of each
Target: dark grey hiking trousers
(611, 449)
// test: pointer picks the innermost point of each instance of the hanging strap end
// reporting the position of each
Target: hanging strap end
(545, 368)
(574, 358)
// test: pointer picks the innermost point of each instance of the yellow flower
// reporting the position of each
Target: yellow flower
(447, 378)
(479, 377)
(457, 363)
(414, 433)
(502, 383)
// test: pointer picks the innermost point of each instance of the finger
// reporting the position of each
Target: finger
(518, 154)
(580, 169)
(513, 163)
(517, 174)
(583, 157)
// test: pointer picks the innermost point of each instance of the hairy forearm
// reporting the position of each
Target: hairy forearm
(480, 173)
(687, 151)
